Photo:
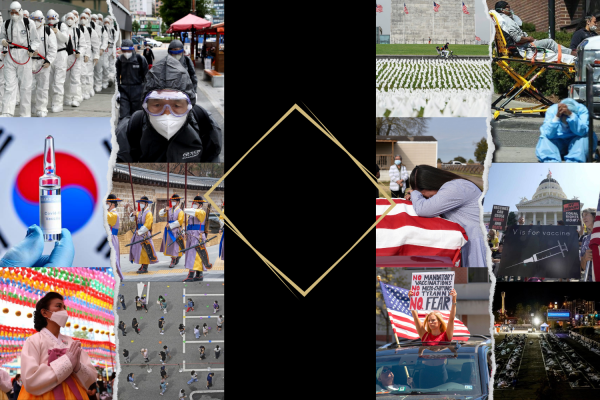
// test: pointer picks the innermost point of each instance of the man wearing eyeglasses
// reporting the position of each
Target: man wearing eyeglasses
(385, 378)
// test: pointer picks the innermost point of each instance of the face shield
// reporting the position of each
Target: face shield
(156, 103)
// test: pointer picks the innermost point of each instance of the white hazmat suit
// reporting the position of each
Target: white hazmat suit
(92, 54)
(102, 55)
(41, 67)
(74, 62)
(58, 69)
(18, 66)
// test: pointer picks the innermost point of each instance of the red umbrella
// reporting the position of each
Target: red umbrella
(187, 23)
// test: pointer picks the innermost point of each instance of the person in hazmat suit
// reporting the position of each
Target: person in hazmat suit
(78, 46)
(58, 69)
(41, 65)
(131, 73)
(171, 127)
(564, 133)
(22, 41)
(102, 32)
(91, 56)
(176, 51)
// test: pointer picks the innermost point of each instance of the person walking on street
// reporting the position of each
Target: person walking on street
(122, 327)
(182, 394)
(162, 303)
(144, 301)
(163, 386)
(138, 303)
(190, 305)
(126, 355)
(197, 331)
(163, 356)
(131, 381)
(209, 379)
(219, 323)
(122, 301)
(149, 56)
(181, 329)
(398, 178)
(163, 372)
(166, 349)
(217, 352)
(204, 329)
(202, 351)
(145, 355)
(136, 326)
(161, 325)
(194, 378)
(215, 307)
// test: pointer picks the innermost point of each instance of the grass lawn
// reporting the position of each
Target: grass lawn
(429, 49)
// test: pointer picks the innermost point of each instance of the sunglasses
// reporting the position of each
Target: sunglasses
(386, 371)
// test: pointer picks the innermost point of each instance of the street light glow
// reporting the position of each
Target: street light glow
(536, 320)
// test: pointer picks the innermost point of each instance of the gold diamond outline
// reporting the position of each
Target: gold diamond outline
(273, 268)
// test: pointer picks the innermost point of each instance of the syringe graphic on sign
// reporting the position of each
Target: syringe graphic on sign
(542, 255)
(50, 205)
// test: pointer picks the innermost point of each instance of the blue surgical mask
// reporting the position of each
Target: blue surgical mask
(398, 162)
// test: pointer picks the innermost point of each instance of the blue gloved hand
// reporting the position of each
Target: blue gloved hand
(28, 253)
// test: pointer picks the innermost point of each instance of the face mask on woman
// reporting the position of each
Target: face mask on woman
(398, 162)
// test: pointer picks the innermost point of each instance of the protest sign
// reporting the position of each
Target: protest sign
(571, 212)
(499, 217)
(431, 291)
(544, 251)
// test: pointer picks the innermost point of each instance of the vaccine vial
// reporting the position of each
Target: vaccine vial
(50, 205)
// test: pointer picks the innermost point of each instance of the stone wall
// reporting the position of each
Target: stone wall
(450, 25)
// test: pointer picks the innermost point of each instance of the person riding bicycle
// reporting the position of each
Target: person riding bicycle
(445, 50)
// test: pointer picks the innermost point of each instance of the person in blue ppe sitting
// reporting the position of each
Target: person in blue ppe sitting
(564, 133)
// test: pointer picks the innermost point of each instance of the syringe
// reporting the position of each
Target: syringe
(542, 255)
(50, 204)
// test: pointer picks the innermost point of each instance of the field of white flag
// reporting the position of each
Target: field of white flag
(433, 88)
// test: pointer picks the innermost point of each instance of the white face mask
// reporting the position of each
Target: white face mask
(178, 56)
(195, 205)
(70, 22)
(127, 55)
(38, 24)
(107, 25)
(60, 317)
(142, 206)
(14, 17)
(167, 124)
(108, 206)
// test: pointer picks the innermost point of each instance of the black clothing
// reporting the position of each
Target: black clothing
(92, 387)
(579, 36)
(188, 64)
(130, 76)
(149, 55)
(125, 353)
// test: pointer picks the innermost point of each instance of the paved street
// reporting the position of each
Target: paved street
(184, 351)
(515, 136)
(160, 272)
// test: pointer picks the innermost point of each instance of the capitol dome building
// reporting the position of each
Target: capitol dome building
(545, 207)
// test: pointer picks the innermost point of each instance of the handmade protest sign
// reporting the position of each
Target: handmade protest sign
(431, 291)
(499, 217)
(571, 212)
(544, 251)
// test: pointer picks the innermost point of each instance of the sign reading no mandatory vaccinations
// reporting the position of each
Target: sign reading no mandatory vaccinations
(544, 251)
(571, 212)
(431, 291)
(499, 217)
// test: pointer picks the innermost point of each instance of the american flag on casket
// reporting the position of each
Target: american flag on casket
(402, 233)
(398, 308)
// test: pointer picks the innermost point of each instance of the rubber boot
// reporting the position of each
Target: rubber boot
(190, 277)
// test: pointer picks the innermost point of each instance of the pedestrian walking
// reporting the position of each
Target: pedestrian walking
(204, 329)
(138, 303)
(219, 323)
(131, 381)
(145, 355)
(209, 379)
(182, 394)
(181, 329)
(163, 356)
(126, 355)
(163, 386)
(166, 349)
(135, 326)
(217, 352)
(215, 307)
(202, 351)
(163, 372)
(122, 301)
(122, 327)
(144, 301)
(161, 325)
(162, 302)
(194, 378)
(197, 331)
(190, 305)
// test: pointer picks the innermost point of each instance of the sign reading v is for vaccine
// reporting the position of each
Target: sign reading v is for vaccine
(431, 291)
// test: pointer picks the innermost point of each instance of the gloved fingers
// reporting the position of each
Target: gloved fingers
(27, 252)
(62, 255)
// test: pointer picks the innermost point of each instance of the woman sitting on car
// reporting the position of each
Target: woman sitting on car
(434, 328)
